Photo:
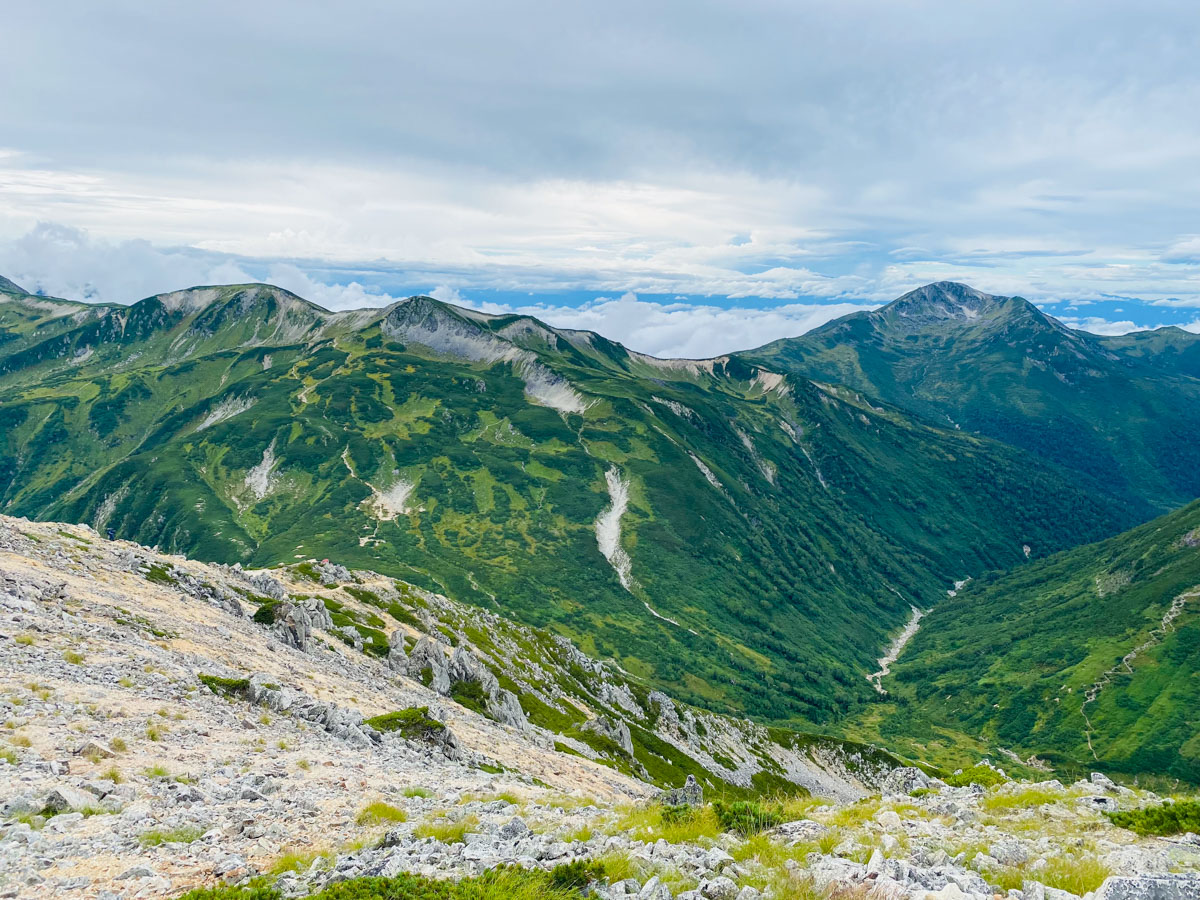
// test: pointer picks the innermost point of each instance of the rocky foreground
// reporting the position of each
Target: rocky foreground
(136, 762)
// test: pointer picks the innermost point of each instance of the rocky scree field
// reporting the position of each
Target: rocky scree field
(173, 727)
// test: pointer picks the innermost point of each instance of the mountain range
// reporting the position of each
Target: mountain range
(746, 532)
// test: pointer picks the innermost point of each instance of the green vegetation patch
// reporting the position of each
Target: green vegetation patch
(160, 574)
(470, 694)
(501, 883)
(746, 817)
(413, 723)
(1170, 818)
(985, 776)
(233, 688)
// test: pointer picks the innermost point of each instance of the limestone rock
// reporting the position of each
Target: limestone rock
(293, 625)
(691, 794)
(427, 663)
(1150, 887)
(904, 781)
(65, 798)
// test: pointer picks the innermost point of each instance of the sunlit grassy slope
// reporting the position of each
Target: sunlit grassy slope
(1013, 658)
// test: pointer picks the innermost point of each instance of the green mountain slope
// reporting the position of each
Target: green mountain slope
(745, 540)
(1122, 412)
(1012, 660)
(10, 287)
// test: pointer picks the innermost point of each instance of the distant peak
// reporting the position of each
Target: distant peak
(943, 300)
(11, 287)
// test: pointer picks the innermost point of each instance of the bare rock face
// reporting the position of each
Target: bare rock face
(904, 781)
(293, 625)
(397, 659)
(317, 613)
(503, 706)
(615, 731)
(68, 799)
(691, 794)
(465, 666)
(428, 664)
(506, 709)
(267, 586)
(668, 716)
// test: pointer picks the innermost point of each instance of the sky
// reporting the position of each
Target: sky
(688, 178)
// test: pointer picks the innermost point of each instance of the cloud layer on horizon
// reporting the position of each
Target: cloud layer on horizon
(65, 262)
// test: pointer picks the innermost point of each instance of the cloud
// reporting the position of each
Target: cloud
(1185, 250)
(680, 329)
(1098, 325)
(750, 149)
(68, 262)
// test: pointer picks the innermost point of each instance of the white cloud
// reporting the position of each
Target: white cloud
(1097, 325)
(68, 262)
(681, 329)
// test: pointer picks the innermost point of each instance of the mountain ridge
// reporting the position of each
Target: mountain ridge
(716, 526)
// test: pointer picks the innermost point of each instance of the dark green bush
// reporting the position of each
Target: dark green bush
(984, 776)
(226, 687)
(413, 723)
(265, 614)
(576, 874)
(470, 694)
(745, 817)
(1169, 818)
(160, 575)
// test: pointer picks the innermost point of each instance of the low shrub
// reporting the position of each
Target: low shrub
(984, 776)
(745, 817)
(413, 723)
(470, 694)
(1169, 818)
(185, 834)
(576, 874)
(236, 688)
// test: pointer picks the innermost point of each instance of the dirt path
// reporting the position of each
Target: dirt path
(1168, 621)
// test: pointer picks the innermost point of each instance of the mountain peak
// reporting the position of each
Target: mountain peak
(942, 300)
(11, 287)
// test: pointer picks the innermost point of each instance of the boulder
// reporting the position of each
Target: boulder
(889, 819)
(397, 659)
(691, 794)
(65, 798)
(719, 888)
(903, 781)
(95, 750)
(613, 729)
(505, 708)
(465, 666)
(1150, 887)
